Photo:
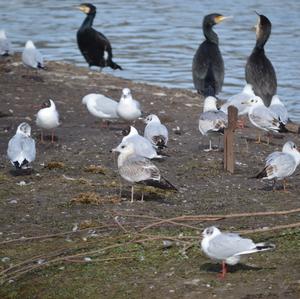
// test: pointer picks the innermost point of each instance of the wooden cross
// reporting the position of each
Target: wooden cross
(229, 156)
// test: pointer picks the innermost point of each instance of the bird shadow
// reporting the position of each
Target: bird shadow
(216, 268)
(36, 78)
(148, 197)
(21, 172)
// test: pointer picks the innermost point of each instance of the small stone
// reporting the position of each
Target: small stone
(13, 201)
(5, 259)
(87, 259)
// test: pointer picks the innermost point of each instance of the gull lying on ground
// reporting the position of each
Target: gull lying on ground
(32, 57)
(137, 169)
(21, 148)
(5, 45)
(262, 117)
(156, 132)
(280, 165)
(101, 106)
(212, 121)
(128, 108)
(48, 118)
(279, 109)
(228, 247)
(142, 146)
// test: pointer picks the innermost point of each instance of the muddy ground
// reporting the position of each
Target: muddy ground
(113, 259)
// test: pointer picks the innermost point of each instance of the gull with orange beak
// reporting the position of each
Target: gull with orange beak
(208, 64)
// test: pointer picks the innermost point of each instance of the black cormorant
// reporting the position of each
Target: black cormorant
(94, 46)
(259, 69)
(208, 65)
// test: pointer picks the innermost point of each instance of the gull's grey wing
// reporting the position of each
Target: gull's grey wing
(280, 165)
(106, 106)
(212, 121)
(281, 112)
(28, 146)
(236, 101)
(5, 47)
(227, 245)
(21, 148)
(138, 169)
(32, 58)
(264, 118)
(142, 146)
(156, 129)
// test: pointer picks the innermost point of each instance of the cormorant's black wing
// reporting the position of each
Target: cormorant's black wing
(261, 75)
(208, 69)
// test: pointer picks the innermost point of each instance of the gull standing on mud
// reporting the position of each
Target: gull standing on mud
(262, 117)
(21, 148)
(101, 106)
(32, 57)
(156, 132)
(128, 108)
(137, 169)
(238, 101)
(48, 118)
(142, 146)
(228, 247)
(212, 121)
(279, 109)
(280, 165)
(5, 45)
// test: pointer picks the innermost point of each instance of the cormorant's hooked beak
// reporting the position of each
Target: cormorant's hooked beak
(220, 19)
(83, 8)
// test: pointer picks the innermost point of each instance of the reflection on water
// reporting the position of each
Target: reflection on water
(155, 40)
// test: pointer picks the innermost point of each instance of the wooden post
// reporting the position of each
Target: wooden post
(229, 156)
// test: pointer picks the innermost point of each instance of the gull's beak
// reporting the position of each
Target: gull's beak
(220, 19)
(114, 150)
(245, 103)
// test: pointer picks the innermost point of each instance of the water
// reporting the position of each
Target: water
(155, 40)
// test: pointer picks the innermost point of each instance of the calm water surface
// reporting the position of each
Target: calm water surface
(155, 40)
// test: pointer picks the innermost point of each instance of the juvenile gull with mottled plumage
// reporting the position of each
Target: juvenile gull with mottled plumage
(137, 169)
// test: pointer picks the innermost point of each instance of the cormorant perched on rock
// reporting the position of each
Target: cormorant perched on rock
(208, 65)
(259, 69)
(94, 46)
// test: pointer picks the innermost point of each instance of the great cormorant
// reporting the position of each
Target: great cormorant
(208, 65)
(94, 46)
(259, 69)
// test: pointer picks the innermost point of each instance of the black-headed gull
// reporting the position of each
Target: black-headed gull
(262, 117)
(212, 121)
(128, 108)
(101, 106)
(5, 45)
(48, 118)
(32, 57)
(155, 131)
(228, 247)
(280, 165)
(21, 147)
